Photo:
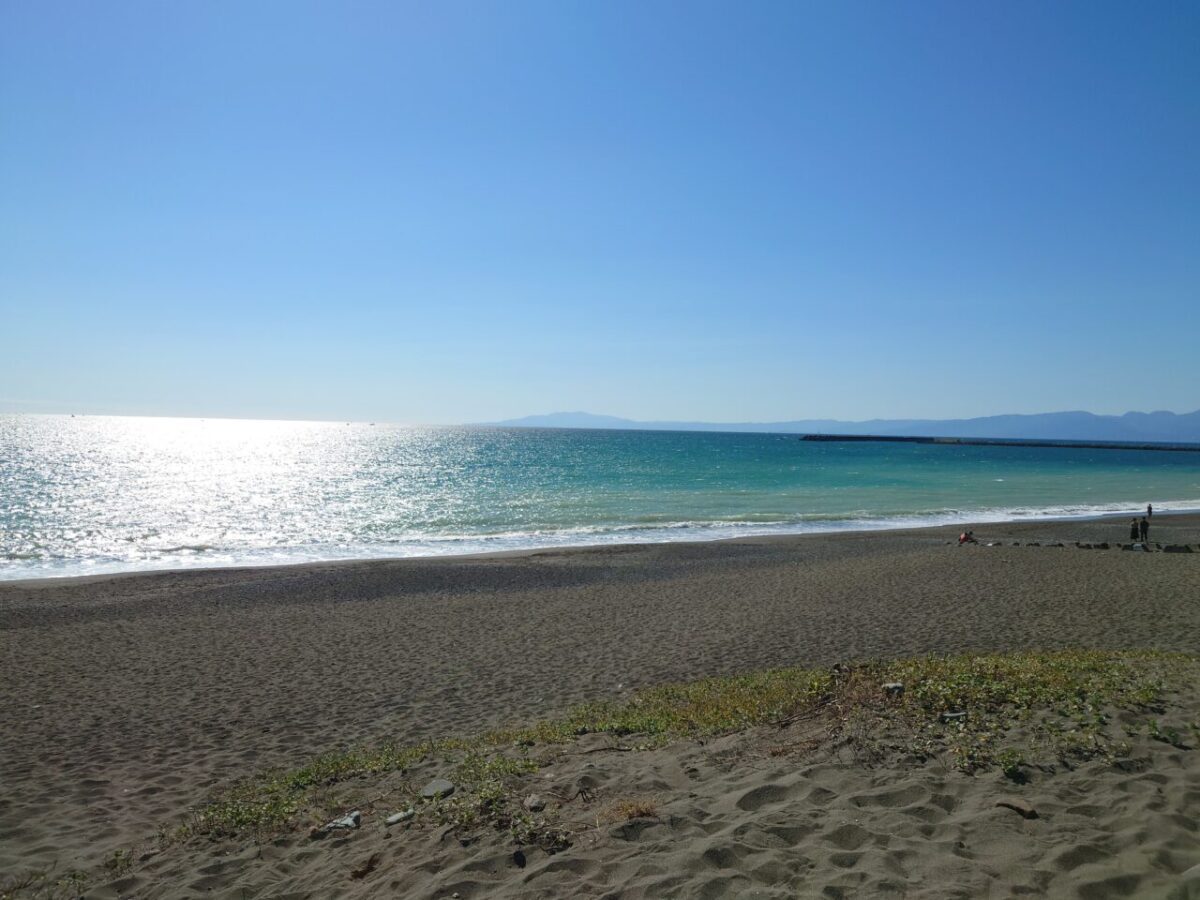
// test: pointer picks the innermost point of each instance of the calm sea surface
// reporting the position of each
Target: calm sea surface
(99, 494)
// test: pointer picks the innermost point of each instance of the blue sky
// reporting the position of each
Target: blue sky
(452, 212)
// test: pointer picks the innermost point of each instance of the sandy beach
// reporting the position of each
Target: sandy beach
(126, 700)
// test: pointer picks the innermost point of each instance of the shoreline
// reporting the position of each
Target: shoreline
(520, 552)
(127, 699)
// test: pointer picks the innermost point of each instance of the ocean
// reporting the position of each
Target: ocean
(92, 495)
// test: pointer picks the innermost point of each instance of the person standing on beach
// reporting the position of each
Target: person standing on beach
(1149, 510)
(1144, 529)
(1134, 529)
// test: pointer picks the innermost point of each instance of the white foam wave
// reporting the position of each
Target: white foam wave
(458, 544)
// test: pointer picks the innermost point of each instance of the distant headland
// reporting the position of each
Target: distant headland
(1131, 428)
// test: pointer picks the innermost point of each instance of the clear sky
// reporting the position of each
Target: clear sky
(449, 212)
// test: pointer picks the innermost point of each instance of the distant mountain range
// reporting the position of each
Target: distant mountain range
(1167, 427)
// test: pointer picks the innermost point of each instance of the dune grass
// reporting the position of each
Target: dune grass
(1003, 712)
(996, 691)
(981, 712)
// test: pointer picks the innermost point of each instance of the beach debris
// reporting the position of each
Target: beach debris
(518, 859)
(397, 818)
(894, 689)
(346, 823)
(352, 820)
(534, 803)
(953, 716)
(1177, 548)
(1017, 805)
(437, 789)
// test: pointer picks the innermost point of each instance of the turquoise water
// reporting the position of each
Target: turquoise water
(98, 494)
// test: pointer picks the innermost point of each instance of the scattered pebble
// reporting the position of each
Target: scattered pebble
(534, 803)
(437, 789)
(397, 818)
(894, 689)
(960, 716)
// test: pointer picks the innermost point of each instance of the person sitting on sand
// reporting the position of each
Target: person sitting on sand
(967, 537)
(1144, 529)
(1134, 529)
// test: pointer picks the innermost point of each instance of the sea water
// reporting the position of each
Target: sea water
(92, 495)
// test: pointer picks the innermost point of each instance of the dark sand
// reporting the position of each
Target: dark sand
(124, 699)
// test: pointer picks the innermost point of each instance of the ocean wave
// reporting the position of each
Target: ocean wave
(415, 545)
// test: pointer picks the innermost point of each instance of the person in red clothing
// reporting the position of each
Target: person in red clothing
(967, 537)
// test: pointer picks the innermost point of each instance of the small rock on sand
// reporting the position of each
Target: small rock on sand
(436, 789)
(894, 689)
(397, 818)
(534, 803)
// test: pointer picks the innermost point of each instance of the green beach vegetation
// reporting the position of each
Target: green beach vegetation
(1005, 713)
(983, 711)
